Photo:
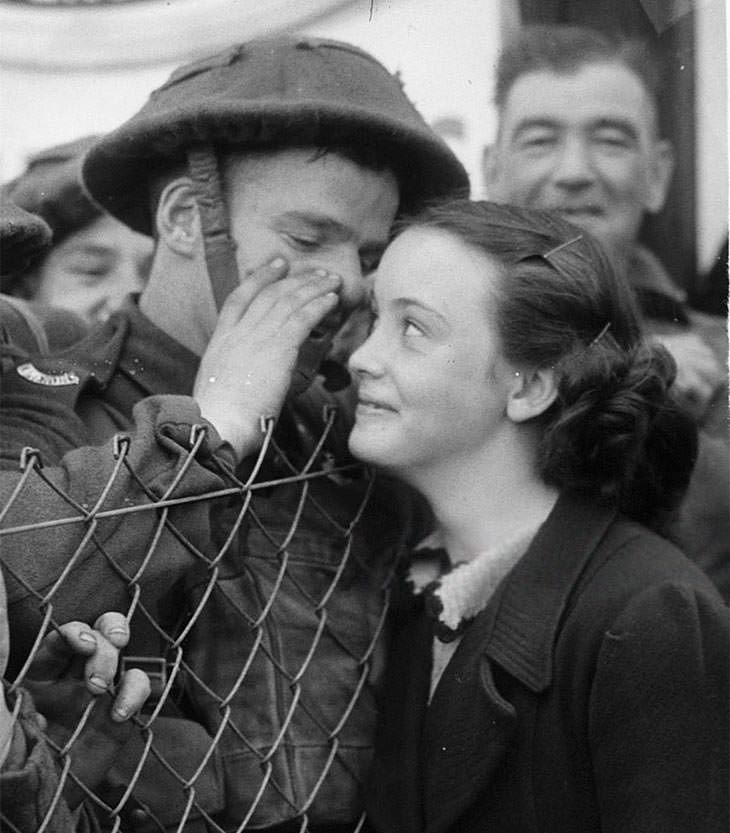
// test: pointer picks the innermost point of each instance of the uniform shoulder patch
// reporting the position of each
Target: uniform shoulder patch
(31, 373)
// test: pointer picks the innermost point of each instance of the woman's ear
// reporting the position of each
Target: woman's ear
(532, 393)
(177, 219)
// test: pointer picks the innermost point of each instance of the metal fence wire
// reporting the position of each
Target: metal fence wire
(264, 644)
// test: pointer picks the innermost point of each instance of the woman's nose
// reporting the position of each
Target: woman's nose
(365, 361)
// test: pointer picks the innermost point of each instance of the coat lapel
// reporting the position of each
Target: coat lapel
(469, 727)
(393, 795)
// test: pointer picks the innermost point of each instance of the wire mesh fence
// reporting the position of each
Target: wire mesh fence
(258, 608)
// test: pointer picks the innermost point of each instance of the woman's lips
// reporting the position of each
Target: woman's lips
(368, 405)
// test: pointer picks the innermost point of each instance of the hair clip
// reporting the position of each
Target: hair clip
(603, 332)
(565, 245)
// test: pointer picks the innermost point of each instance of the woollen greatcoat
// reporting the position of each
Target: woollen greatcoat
(591, 694)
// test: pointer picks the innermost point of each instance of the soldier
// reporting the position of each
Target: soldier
(72, 666)
(95, 260)
(270, 176)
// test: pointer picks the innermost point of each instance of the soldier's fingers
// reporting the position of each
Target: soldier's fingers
(59, 647)
(302, 320)
(101, 666)
(132, 692)
(254, 281)
(114, 627)
(59, 650)
(276, 304)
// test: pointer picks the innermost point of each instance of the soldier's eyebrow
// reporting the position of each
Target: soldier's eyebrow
(322, 223)
(331, 229)
(318, 222)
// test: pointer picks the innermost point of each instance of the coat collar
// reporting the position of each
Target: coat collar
(533, 598)
(432, 764)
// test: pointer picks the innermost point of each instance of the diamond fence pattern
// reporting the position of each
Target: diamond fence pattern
(263, 644)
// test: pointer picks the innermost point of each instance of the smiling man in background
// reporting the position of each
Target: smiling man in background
(579, 133)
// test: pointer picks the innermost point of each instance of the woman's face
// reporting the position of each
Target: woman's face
(433, 385)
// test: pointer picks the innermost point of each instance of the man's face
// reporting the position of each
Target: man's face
(92, 270)
(318, 211)
(585, 144)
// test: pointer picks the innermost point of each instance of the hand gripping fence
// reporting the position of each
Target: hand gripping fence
(258, 608)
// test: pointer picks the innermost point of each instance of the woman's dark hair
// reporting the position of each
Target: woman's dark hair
(614, 430)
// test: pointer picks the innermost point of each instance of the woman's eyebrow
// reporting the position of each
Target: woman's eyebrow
(402, 303)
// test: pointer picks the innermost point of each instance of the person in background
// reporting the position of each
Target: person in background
(556, 666)
(27, 327)
(578, 133)
(95, 261)
(74, 664)
(711, 292)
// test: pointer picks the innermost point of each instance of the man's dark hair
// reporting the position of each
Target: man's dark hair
(565, 49)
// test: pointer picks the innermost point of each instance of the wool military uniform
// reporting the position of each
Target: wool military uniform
(127, 372)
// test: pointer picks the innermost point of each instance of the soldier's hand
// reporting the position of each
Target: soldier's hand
(247, 367)
(75, 665)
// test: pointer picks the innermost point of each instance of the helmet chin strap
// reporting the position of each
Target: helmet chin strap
(220, 249)
(220, 260)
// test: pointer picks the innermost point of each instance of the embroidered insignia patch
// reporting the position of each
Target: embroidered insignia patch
(32, 374)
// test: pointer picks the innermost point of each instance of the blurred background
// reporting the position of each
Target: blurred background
(72, 67)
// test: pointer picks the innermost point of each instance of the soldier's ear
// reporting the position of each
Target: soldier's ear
(176, 218)
(660, 175)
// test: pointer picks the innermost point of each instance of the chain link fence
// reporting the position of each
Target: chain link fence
(263, 643)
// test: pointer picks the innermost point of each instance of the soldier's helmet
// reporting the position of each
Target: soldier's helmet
(27, 327)
(286, 91)
(23, 237)
(51, 187)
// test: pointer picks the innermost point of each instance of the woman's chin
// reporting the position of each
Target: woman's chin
(368, 446)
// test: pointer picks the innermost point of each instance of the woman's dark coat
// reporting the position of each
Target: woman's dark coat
(590, 695)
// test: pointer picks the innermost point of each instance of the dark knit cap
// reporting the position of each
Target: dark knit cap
(51, 187)
(284, 91)
(23, 236)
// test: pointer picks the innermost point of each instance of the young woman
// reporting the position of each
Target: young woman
(555, 665)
